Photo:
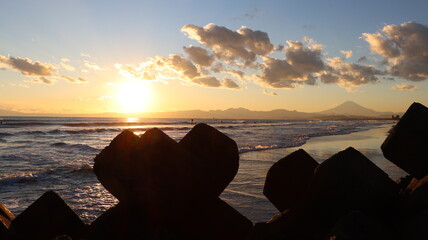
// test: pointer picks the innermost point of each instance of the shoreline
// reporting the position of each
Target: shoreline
(245, 192)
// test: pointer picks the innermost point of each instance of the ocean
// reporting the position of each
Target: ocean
(38, 154)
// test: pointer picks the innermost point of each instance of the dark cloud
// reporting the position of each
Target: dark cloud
(229, 83)
(207, 81)
(42, 80)
(74, 80)
(404, 48)
(181, 65)
(278, 73)
(307, 59)
(280, 47)
(253, 14)
(362, 59)
(199, 56)
(349, 74)
(243, 44)
(299, 66)
(27, 67)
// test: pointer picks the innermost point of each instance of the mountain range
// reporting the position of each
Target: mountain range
(346, 110)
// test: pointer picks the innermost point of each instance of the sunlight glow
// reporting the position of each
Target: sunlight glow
(133, 97)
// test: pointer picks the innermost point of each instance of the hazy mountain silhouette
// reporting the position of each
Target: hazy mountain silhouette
(350, 108)
(345, 110)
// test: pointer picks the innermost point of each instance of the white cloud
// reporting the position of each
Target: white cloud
(405, 49)
(348, 54)
(67, 67)
(405, 87)
(92, 66)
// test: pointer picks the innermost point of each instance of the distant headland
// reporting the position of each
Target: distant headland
(346, 110)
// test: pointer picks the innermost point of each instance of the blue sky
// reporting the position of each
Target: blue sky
(97, 40)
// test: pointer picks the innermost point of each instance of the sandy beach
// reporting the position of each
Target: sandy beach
(247, 187)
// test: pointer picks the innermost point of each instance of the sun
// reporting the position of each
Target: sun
(133, 97)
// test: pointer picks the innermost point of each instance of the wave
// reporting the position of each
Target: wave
(24, 124)
(97, 130)
(58, 144)
(84, 131)
(35, 176)
(260, 148)
(85, 168)
(31, 133)
(94, 124)
(5, 134)
(78, 146)
(19, 178)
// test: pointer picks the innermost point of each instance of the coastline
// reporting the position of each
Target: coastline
(245, 192)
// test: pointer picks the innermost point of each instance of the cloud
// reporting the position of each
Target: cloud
(43, 72)
(137, 72)
(92, 66)
(307, 59)
(219, 68)
(42, 80)
(362, 59)
(242, 45)
(348, 54)
(229, 83)
(160, 68)
(404, 48)
(199, 56)
(270, 93)
(207, 81)
(299, 66)
(349, 74)
(85, 55)
(253, 14)
(405, 87)
(245, 55)
(67, 67)
(278, 73)
(180, 65)
(27, 67)
(74, 80)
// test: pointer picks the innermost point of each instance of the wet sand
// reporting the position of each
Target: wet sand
(245, 193)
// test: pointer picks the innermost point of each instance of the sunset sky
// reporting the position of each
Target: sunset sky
(64, 56)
